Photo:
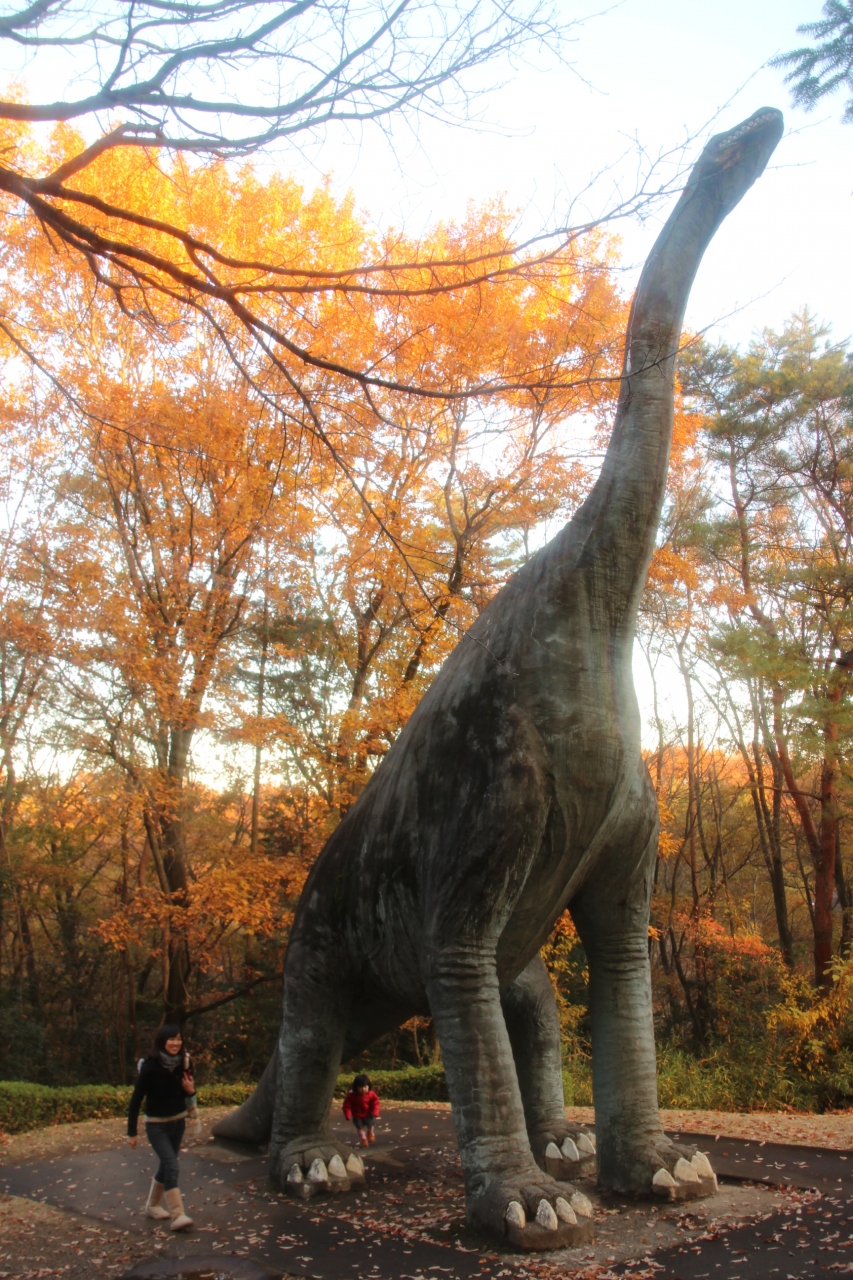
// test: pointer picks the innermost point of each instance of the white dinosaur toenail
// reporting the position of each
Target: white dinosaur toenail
(702, 1165)
(684, 1171)
(336, 1167)
(515, 1215)
(295, 1174)
(581, 1204)
(546, 1217)
(565, 1212)
(355, 1165)
(663, 1178)
(585, 1145)
(570, 1151)
(552, 1151)
(318, 1171)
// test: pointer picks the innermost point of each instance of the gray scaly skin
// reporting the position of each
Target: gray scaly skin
(517, 789)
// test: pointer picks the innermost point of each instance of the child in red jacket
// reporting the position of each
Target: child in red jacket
(361, 1105)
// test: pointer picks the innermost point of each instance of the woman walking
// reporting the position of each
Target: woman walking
(166, 1083)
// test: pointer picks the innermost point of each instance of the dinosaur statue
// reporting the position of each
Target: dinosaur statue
(516, 789)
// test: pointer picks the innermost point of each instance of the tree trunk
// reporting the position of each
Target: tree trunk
(844, 898)
(170, 822)
(259, 711)
(821, 846)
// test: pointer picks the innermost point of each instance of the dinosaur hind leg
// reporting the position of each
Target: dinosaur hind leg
(304, 1157)
(612, 915)
(564, 1151)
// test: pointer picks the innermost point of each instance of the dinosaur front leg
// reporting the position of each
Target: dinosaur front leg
(506, 1193)
(530, 1010)
(634, 1154)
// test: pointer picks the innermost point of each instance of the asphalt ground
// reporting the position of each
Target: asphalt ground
(811, 1168)
(410, 1221)
(812, 1239)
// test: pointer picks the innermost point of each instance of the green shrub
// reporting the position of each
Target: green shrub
(25, 1106)
(577, 1084)
(224, 1095)
(32, 1106)
(408, 1084)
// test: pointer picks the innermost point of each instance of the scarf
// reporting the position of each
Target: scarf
(170, 1060)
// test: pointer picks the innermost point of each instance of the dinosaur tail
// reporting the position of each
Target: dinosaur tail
(252, 1122)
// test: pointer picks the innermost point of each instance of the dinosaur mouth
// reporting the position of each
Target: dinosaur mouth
(761, 118)
(751, 142)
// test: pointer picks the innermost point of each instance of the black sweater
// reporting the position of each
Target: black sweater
(161, 1087)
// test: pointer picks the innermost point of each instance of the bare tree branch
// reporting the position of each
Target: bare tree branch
(229, 77)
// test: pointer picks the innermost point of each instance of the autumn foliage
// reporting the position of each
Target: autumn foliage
(228, 579)
(228, 573)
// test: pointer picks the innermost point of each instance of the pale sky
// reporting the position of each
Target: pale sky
(657, 69)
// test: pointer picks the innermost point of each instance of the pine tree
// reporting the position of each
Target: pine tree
(819, 70)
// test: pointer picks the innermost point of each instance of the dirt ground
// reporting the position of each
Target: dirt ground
(37, 1241)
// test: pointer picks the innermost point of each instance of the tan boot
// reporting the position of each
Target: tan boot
(175, 1205)
(153, 1206)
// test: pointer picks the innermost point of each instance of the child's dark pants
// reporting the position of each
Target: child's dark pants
(364, 1124)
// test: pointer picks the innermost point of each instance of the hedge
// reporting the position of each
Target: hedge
(25, 1106)
(409, 1084)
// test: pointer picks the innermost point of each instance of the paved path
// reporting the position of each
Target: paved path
(812, 1240)
(410, 1222)
(774, 1163)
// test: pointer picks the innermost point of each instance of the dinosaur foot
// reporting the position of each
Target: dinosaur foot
(667, 1171)
(566, 1155)
(307, 1167)
(687, 1180)
(534, 1213)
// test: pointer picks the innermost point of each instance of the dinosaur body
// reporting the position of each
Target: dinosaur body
(517, 789)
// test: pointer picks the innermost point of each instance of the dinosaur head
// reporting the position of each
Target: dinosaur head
(732, 161)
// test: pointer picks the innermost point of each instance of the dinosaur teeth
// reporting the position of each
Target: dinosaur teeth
(663, 1178)
(515, 1215)
(355, 1165)
(546, 1217)
(586, 1144)
(684, 1171)
(570, 1151)
(581, 1204)
(552, 1151)
(702, 1165)
(565, 1212)
(295, 1174)
(336, 1167)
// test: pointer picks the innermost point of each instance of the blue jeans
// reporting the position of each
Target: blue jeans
(166, 1141)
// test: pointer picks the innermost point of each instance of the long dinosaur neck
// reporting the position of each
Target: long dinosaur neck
(614, 532)
(626, 501)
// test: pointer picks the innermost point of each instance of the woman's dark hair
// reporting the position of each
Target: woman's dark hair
(361, 1082)
(168, 1031)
